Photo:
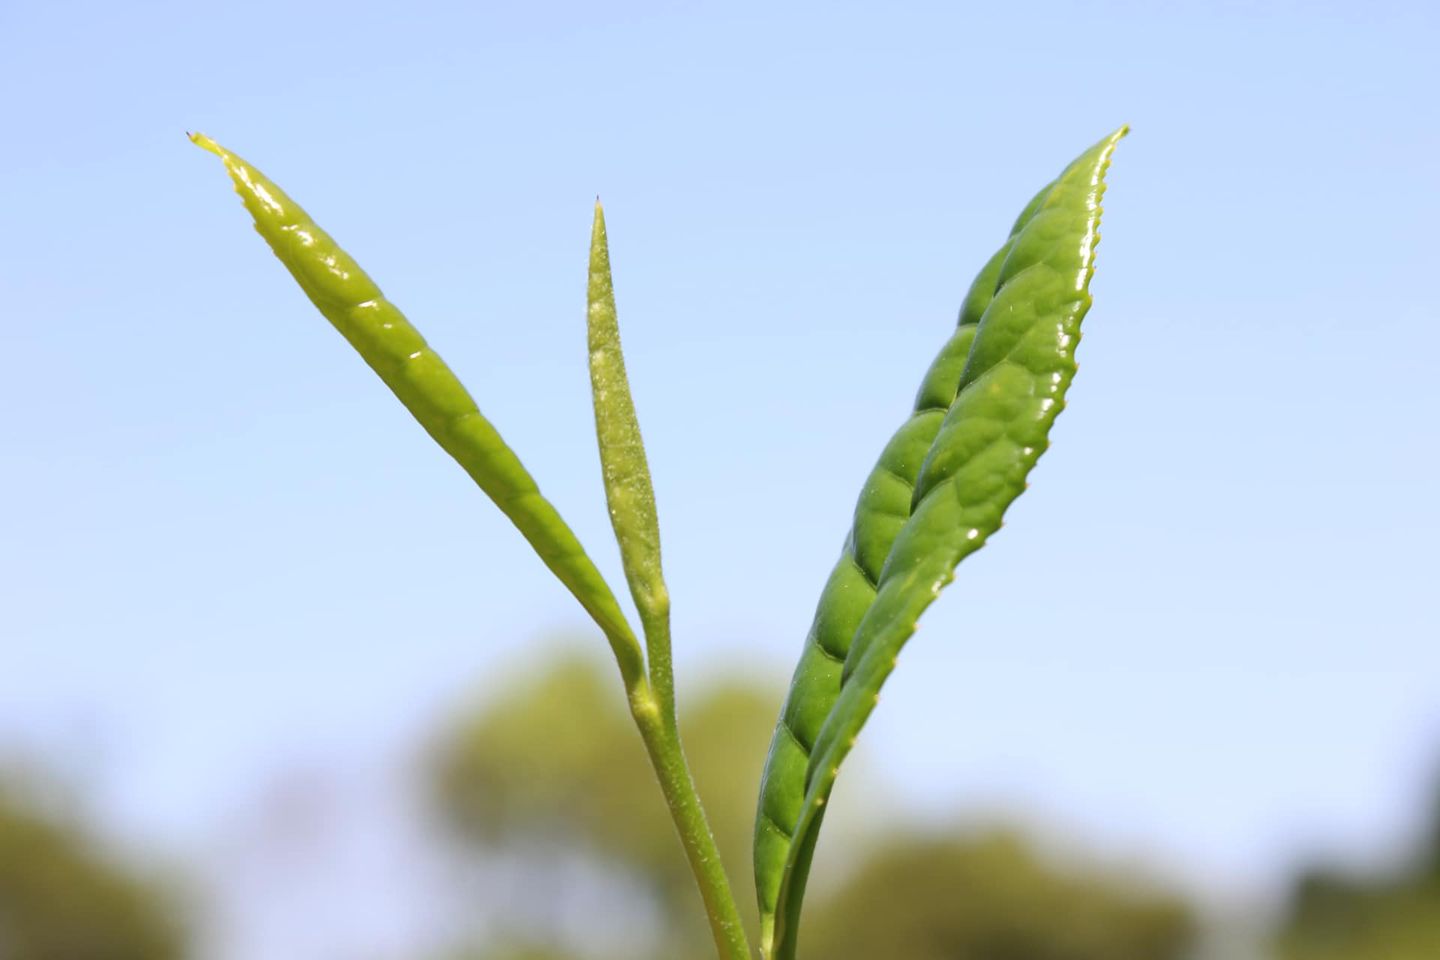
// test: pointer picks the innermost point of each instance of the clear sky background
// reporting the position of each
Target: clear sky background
(1208, 633)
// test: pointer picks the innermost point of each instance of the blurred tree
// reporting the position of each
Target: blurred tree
(989, 898)
(508, 953)
(554, 761)
(61, 899)
(1389, 917)
(1336, 918)
(1429, 868)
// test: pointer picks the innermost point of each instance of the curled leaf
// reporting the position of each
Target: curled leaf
(414, 372)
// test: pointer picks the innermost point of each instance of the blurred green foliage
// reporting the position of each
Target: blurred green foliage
(1336, 918)
(990, 898)
(549, 764)
(508, 953)
(553, 758)
(61, 898)
(1333, 916)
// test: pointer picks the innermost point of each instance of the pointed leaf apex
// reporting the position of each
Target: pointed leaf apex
(205, 143)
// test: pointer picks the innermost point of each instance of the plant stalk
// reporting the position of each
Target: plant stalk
(661, 734)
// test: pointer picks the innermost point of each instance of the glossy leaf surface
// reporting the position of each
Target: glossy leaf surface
(939, 491)
(395, 350)
(882, 508)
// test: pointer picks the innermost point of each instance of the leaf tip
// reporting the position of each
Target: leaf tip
(205, 143)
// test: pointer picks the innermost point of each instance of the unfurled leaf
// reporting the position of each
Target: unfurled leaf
(938, 492)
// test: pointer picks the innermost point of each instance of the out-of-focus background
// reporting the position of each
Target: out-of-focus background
(276, 681)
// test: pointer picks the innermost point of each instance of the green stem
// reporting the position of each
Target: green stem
(662, 741)
(655, 623)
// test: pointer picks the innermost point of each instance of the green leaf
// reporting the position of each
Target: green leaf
(968, 452)
(394, 349)
(628, 490)
(883, 507)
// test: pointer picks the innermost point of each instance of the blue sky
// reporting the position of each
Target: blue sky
(1206, 633)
